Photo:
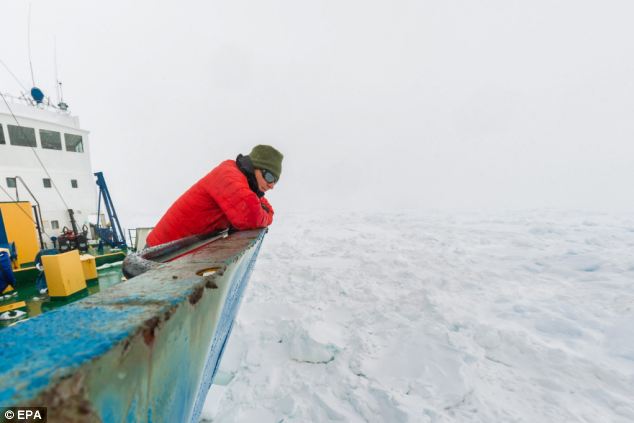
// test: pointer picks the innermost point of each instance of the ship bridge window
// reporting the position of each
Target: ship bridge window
(46, 182)
(2, 141)
(11, 182)
(73, 183)
(74, 143)
(54, 224)
(19, 135)
(51, 139)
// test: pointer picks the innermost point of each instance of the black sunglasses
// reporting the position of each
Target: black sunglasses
(268, 176)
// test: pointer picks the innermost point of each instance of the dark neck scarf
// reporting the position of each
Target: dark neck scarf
(246, 167)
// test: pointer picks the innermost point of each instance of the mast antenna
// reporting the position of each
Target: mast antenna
(58, 84)
(36, 94)
(29, 41)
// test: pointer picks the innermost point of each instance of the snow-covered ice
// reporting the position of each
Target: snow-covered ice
(516, 317)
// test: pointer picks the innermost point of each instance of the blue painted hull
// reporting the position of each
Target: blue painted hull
(145, 350)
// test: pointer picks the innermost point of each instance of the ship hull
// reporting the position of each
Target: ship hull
(145, 351)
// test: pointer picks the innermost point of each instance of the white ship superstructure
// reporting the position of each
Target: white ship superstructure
(47, 150)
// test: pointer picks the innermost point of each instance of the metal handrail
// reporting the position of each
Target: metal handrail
(150, 258)
(39, 222)
(27, 101)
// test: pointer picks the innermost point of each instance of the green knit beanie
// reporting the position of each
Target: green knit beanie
(266, 157)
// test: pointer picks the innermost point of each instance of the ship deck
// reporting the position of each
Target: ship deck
(109, 271)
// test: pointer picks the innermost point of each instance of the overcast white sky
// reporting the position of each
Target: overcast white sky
(378, 105)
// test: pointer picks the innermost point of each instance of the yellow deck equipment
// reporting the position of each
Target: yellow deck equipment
(64, 274)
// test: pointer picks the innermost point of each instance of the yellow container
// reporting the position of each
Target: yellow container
(89, 265)
(64, 274)
(19, 224)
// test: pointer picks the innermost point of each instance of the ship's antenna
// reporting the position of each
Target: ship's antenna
(29, 41)
(58, 84)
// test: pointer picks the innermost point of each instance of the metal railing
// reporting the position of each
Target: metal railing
(26, 100)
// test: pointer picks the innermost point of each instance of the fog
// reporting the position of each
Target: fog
(376, 105)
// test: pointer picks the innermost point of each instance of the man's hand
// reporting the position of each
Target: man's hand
(266, 206)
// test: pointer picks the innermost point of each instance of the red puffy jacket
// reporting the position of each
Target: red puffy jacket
(219, 200)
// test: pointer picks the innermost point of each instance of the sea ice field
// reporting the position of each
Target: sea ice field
(435, 317)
